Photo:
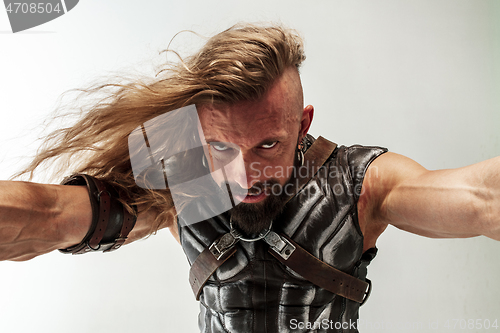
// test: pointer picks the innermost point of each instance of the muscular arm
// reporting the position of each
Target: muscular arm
(36, 219)
(463, 202)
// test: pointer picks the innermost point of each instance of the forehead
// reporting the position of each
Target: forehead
(244, 123)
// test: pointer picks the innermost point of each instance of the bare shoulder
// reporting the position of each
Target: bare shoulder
(382, 176)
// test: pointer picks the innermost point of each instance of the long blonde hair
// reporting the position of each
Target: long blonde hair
(237, 64)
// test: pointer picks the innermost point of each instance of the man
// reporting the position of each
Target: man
(246, 87)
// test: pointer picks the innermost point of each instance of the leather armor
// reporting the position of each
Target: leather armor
(253, 292)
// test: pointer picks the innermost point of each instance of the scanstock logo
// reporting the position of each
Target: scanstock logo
(170, 152)
(26, 15)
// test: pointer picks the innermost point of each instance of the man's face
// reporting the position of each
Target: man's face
(265, 132)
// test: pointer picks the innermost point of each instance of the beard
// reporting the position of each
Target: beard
(252, 218)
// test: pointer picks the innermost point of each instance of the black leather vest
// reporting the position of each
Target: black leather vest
(253, 292)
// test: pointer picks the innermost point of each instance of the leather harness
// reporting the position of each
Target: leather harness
(285, 249)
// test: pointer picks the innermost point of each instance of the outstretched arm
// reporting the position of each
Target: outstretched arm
(463, 202)
(37, 218)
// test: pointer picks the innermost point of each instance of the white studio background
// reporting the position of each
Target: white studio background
(420, 77)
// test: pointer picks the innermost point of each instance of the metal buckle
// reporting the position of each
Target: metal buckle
(90, 248)
(222, 245)
(367, 293)
(279, 244)
(227, 241)
(102, 193)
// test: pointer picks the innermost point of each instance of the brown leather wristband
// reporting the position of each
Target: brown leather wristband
(111, 222)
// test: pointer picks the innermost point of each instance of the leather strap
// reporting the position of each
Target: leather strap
(111, 222)
(104, 199)
(206, 263)
(322, 274)
(127, 226)
(314, 158)
(203, 268)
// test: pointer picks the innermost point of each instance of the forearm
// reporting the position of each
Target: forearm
(463, 202)
(487, 178)
(37, 219)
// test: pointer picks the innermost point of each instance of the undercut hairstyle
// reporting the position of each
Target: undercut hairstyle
(238, 64)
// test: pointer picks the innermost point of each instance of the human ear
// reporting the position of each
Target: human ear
(305, 122)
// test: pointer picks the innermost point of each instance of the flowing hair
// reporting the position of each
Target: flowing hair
(235, 65)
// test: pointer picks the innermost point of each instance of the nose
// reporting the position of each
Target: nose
(244, 171)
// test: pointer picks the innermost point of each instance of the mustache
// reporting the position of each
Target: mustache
(256, 188)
